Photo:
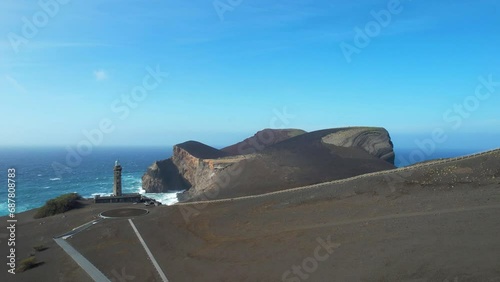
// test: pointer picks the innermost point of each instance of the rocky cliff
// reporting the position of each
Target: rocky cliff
(193, 163)
(259, 165)
(375, 141)
(163, 176)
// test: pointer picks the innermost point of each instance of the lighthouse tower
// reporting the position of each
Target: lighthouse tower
(117, 187)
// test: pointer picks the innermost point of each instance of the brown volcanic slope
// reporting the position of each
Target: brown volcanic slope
(304, 159)
(262, 140)
(202, 151)
(298, 161)
(164, 175)
(434, 222)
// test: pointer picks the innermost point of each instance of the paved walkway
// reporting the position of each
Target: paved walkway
(86, 265)
(151, 257)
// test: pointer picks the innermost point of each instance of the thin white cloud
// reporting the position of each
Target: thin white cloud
(100, 75)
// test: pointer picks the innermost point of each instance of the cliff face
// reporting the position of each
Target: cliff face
(297, 159)
(194, 163)
(163, 176)
(375, 141)
(196, 170)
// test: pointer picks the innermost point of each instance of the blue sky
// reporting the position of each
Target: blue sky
(235, 67)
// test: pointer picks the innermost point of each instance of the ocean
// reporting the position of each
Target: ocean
(45, 173)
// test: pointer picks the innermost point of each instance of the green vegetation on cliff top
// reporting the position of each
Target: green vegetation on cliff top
(58, 205)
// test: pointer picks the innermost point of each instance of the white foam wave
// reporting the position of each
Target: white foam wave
(164, 198)
(168, 199)
(55, 179)
(133, 184)
(99, 194)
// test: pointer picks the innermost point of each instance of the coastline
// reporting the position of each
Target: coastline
(359, 217)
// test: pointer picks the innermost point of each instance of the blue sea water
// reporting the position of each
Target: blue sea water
(409, 156)
(43, 173)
